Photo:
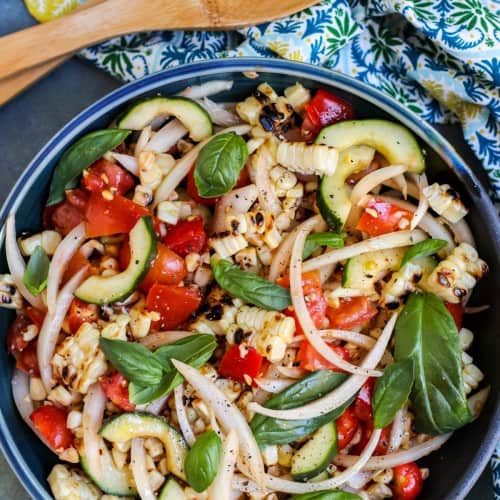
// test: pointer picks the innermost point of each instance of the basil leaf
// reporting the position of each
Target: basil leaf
(79, 156)
(391, 392)
(143, 394)
(202, 461)
(136, 363)
(250, 287)
(317, 240)
(219, 164)
(423, 249)
(37, 271)
(426, 333)
(327, 495)
(269, 430)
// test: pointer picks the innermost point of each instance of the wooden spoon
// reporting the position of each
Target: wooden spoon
(92, 25)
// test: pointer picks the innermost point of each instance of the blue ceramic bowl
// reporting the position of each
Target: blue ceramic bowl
(455, 467)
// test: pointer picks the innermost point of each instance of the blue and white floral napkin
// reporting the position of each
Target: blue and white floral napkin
(440, 58)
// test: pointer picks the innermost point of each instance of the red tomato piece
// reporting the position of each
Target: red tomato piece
(116, 389)
(27, 360)
(77, 262)
(408, 481)
(80, 312)
(312, 361)
(383, 442)
(457, 312)
(15, 340)
(187, 236)
(106, 175)
(323, 110)
(240, 361)
(381, 217)
(51, 423)
(66, 215)
(351, 312)
(106, 217)
(347, 426)
(363, 403)
(173, 303)
(35, 315)
(166, 269)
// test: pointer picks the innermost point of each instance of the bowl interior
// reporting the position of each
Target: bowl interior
(457, 465)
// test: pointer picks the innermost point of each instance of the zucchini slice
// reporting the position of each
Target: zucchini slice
(315, 456)
(140, 424)
(188, 112)
(332, 197)
(172, 491)
(392, 140)
(106, 290)
(113, 481)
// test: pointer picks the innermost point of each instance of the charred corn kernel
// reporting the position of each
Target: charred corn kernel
(165, 162)
(276, 173)
(143, 195)
(383, 476)
(257, 221)
(203, 276)
(236, 224)
(30, 332)
(123, 446)
(91, 246)
(270, 455)
(283, 179)
(67, 484)
(184, 146)
(156, 479)
(265, 255)
(28, 245)
(69, 455)
(150, 174)
(295, 192)
(199, 426)
(168, 211)
(60, 395)
(193, 261)
(78, 360)
(247, 259)
(272, 238)
(249, 110)
(230, 388)
(108, 263)
(445, 201)
(140, 321)
(283, 221)
(254, 144)
(466, 358)
(285, 454)
(268, 91)
(379, 491)
(455, 276)
(10, 297)
(271, 347)
(37, 389)
(298, 96)
(466, 338)
(254, 239)
(117, 329)
(185, 209)
(402, 282)
(201, 409)
(227, 246)
(119, 458)
(50, 241)
(472, 375)
(163, 467)
(74, 419)
(308, 158)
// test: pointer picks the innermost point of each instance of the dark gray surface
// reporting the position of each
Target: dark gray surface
(27, 122)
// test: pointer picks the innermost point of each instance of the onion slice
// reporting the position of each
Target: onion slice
(139, 469)
(462, 233)
(218, 113)
(339, 395)
(155, 340)
(180, 409)
(169, 135)
(355, 338)
(384, 242)
(274, 385)
(222, 486)
(373, 179)
(128, 162)
(267, 197)
(16, 264)
(207, 89)
(397, 431)
(228, 415)
(302, 312)
(60, 260)
(423, 204)
(238, 201)
(143, 140)
(184, 165)
(51, 326)
(291, 372)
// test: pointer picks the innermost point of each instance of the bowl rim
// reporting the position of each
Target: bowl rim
(65, 136)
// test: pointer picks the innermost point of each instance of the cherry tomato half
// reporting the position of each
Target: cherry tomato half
(187, 236)
(408, 481)
(80, 312)
(347, 426)
(116, 389)
(351, 312)
(51, 423)
(312, 361)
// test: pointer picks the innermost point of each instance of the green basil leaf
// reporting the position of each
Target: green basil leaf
(327, 495)
(202, 461)
(136, 363)
(37, 271)
(250, 287)
(140, 394)
(269, 430)
(423, 249)
(317, 240)
(79, 156)
(219, 164)
(426, 333)
(391, 392)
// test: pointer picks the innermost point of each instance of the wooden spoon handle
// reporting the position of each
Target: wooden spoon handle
(93, 25)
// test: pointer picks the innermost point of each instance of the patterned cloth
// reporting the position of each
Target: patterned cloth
(440, 58)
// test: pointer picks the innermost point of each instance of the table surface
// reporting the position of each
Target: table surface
(46, 107)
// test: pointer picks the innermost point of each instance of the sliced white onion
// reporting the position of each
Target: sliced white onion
(64, 251)
(169, 135)
(373, 179)
(243, 484)
(218, 113)
(16, 264)
(139, 469)
(423, 204)
(274, 385)
(207, 89)
(221, 488)
(128, 162)
(342, 292)
(384, 242)
(156, 406)
(238, 201)
(339, 395)
(359, 480)
(397, 431)
(402, 184)
(393, 459)
(302, 312)
(214, 424)
(267, 197)
(229, 416)
(291, 372)
(143, 140)
(93, 412)
(180, 409)
(184, 165)
(462, 232)
(356, 338)
(155, 340)
(326, 271)
(51, 326)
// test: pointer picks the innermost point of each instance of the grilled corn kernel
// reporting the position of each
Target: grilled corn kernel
(117, 329)
(156, 479)
(272, 238)
(227, 246)
(60, 395)
(10, 297)
(30, 332)
(265, 255)
(203, 276)
(150, 173)
(168, 212)
(165, 162)
(270, 455)
(140, 322)
(308, 158)
(67, 484)
(298, 96)
(466, 339)
(50, 241)
(193, 261)
(247, 259)
(143, 195)
(445, 201)
(37, 389)
(119, 458)
(74, 419)
(154, 447)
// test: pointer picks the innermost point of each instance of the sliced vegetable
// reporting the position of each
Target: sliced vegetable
(187, 236)
(351, 312)
(37, 271)
(381, 217)
(108, 289)
(309, 359)
(172, 491)
(241, 363)
(347, 426)
(408, 481)
(116, 389)
(50, 421)
(425, 248)
(103, 175)
(202, 461)
(318, 240)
